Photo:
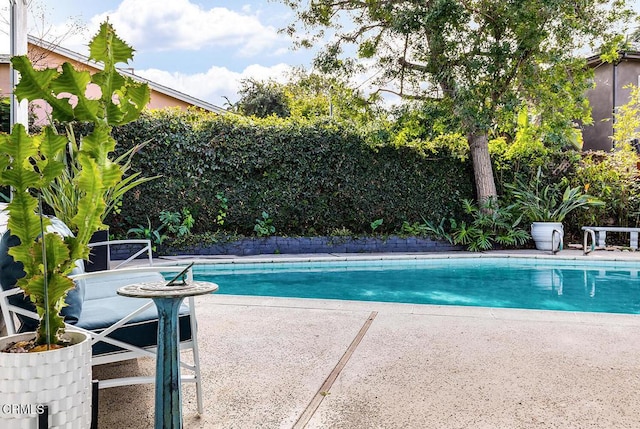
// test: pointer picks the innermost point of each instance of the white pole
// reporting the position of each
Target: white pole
(18, 39)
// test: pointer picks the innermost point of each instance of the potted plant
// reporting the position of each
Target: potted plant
(31, 165)
(546, 206)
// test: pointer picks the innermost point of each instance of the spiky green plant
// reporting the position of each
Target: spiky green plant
(63, 194)
(491, 224)
(548, 203)
(31, 165)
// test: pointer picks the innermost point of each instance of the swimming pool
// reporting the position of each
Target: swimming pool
(610, 287)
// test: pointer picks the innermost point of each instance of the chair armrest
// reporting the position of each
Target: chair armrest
(8, 310)
(133, 270)
(101, 284)
(146, 248)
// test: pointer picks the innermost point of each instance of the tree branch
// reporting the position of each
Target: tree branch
(406, 96)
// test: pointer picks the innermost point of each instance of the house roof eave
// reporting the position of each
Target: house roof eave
(596, 60)
(196, 102)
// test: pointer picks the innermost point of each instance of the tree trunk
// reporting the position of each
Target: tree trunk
(482, 169)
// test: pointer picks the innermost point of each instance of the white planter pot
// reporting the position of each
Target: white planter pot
(550, 281)
(60, 379)
(547, 235)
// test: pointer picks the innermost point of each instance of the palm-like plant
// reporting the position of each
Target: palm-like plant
(549, 203)
(491, 224)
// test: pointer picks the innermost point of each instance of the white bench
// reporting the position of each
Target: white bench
(599, 236)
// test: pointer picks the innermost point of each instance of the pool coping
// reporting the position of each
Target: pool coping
(577, 255)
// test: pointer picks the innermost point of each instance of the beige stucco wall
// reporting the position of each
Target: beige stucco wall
(5, 85)
(42, 58)
(159, 100)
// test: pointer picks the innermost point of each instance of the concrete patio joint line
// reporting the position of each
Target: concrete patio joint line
(326, 386)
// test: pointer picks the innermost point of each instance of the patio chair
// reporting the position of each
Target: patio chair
(121, 328)
(144, 249)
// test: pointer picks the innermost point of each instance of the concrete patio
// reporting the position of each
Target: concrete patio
(293, 363)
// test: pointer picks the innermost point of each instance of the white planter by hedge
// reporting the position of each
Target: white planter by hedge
(60, 379)
(547, 235)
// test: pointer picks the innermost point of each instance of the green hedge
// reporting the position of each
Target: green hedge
(311, 177)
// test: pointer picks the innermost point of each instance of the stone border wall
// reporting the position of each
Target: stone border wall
(301, 245)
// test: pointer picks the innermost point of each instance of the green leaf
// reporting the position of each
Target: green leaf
(110, 83)
(53, 144)
(367, 49)
(36, 84)
(99, 143)
(25, 224)
(57, 287)
(106, 47)
(91, 205)
(133, 99)
(72, 86)
(23, 149)
(51, 148)
(123, 98)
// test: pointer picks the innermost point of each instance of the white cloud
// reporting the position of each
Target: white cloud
(217, 82)
(183, 25)
(162, 25)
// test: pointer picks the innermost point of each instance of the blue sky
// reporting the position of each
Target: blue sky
(203, 48)
(200, 47)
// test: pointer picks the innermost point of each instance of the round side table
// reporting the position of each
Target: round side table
(168, 412)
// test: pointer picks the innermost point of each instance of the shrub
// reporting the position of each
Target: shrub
(311, 176)
(613, 178)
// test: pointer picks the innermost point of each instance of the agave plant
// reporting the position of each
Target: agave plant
(33, 164)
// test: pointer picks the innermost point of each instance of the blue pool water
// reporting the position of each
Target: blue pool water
(611, 287)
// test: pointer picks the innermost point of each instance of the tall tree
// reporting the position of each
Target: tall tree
(312, 94)
(262, 99)
(481, 56)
